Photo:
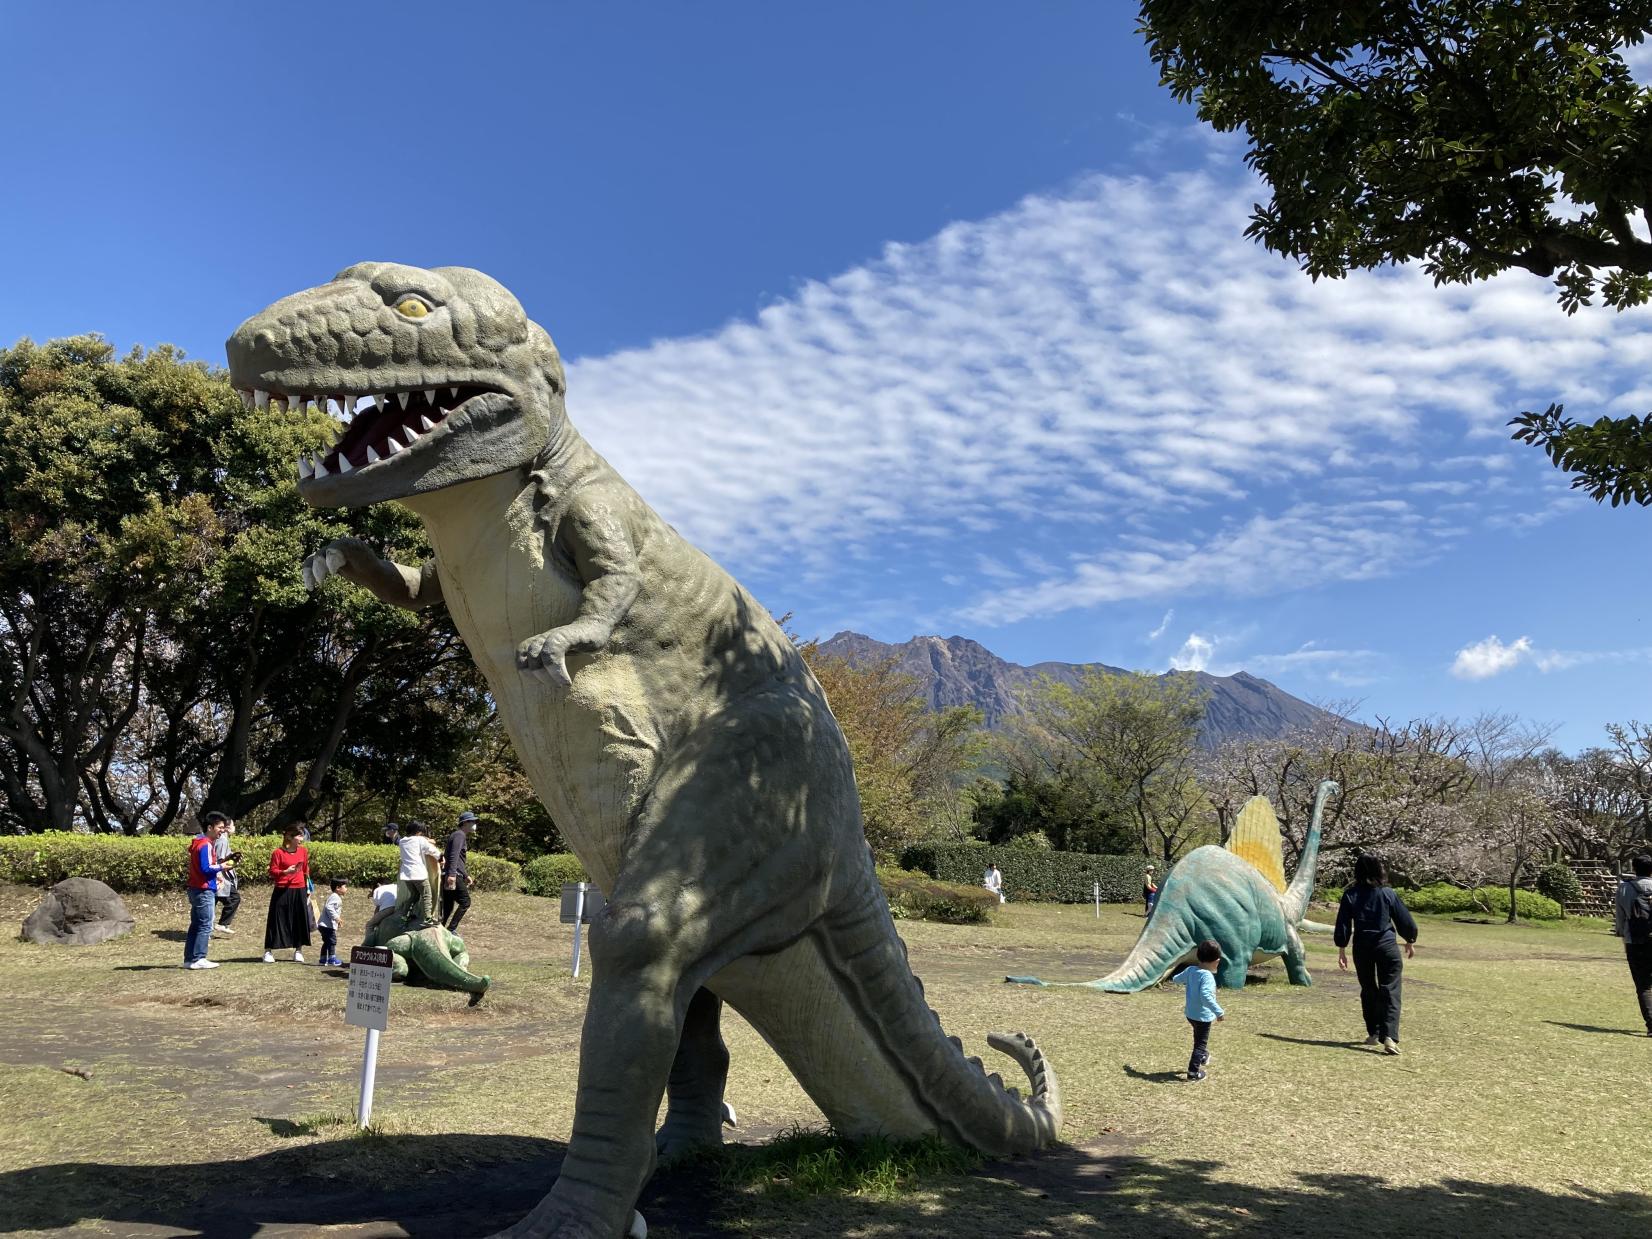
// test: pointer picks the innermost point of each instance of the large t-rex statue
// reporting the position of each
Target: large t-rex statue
(664, 718)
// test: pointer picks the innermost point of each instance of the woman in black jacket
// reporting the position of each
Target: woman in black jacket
(1369, 913)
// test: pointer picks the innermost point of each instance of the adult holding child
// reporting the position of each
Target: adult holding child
(287, 924)
(1367, 917)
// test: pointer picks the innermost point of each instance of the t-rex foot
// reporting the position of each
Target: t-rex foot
(554, 1220)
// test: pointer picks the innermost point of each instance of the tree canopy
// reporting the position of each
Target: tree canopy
(1474, 136)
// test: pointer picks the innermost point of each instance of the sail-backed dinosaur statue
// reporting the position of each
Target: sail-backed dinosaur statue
(1234, 895)
(663, 717)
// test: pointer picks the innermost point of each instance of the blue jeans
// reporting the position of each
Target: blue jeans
(200, 924)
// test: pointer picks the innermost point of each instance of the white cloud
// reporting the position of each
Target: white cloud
(1114, 361)
(1163, 624)
(1194, 654)
(1490, 657)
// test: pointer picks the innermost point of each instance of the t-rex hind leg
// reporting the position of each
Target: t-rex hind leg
(694, 1110)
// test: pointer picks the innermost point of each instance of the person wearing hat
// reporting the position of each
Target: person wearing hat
(1149, 890)
(456, 876)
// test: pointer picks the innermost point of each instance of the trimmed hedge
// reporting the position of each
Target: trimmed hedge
(919, 897)
(544, 875)
(1442, 897)
(1056, 877)
(150, 863)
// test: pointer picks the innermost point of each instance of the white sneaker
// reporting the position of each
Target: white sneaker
(298, 957)
(269, 957)
(225, 930)
(201, 963)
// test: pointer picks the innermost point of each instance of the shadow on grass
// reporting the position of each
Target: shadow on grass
(169, 935)
(1155, 1077)
(1357, 1046)
(1595, 1028)
(293, 1191)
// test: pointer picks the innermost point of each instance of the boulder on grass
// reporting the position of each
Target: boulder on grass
(78, 912)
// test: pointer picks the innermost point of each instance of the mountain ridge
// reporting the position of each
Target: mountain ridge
(960, 671)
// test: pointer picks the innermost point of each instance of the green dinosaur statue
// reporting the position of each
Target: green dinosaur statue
(664, 718)
(431, 954)
(1217, 893)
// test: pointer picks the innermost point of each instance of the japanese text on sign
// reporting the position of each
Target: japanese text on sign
(367, 1004)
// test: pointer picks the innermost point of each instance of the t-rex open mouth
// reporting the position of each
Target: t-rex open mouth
(390, 423)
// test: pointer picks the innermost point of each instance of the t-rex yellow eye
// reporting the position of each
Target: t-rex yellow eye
(412, 307)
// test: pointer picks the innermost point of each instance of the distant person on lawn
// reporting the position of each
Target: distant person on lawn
(417, 853)
(1632, 917)
(229, 884)
(287, 926)
(1201, 1008)
(202, 875)
(994, 882)
(456, 874)
(1369, 913)
(1149, 890)
(384, 903)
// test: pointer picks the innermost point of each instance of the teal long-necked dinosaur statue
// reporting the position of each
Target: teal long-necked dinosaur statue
(1230, 895)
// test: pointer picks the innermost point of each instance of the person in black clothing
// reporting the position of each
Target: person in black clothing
(456, 876)
(1369, 913)
(1633, 923)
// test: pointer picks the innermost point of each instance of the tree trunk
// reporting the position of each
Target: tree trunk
(1514, 882)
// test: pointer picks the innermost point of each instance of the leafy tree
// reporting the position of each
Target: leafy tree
(157, 647)
(911, 764)
(1473, 135)
(1056, 804)
(1130, 742)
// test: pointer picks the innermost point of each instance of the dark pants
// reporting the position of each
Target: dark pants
(414, 908)
(1640, 967)
(329, 943)
(1379, 969)
(230, 904)
(1201, 1047)
(455, 903)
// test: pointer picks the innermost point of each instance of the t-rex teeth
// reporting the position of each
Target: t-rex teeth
(425, 424)
(261, 399)
(320, 467)
(454, 392)
(402, 397)
(380, 403)
(430, 396)
(246, 398)
(372, 457)
(344, 465)
(392, 445)
(305, 469)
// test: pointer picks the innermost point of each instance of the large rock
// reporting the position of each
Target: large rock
(78, 912)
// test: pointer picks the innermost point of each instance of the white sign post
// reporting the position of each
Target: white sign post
(367, 1005)
(1098, 901)
(580, 902)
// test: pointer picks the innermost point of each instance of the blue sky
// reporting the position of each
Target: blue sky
(922, 318)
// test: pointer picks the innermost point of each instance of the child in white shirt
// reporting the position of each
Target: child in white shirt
(332, 915)
(417, 850)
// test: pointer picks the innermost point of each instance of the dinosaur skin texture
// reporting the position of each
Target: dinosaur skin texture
(667, 723)
(1216, 895)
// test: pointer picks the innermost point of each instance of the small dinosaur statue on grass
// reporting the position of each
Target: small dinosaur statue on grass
(664, 718)
(1235, 896)
(432, 955)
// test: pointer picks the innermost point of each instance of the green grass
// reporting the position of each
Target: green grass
(1518, 1104)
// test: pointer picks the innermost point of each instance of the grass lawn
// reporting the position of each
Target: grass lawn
(141, 1099)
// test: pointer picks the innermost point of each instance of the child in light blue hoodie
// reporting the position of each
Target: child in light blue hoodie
(1202, 1008)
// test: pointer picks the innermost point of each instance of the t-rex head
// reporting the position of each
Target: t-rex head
(461, 384)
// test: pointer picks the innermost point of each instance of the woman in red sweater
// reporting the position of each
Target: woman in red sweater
(288, 922)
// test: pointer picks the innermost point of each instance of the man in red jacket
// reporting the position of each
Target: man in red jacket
(204, 871)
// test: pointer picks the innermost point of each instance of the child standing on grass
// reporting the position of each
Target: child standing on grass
(332, 915)
(1202, 1008)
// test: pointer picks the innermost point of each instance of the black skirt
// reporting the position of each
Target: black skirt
(288, 922)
